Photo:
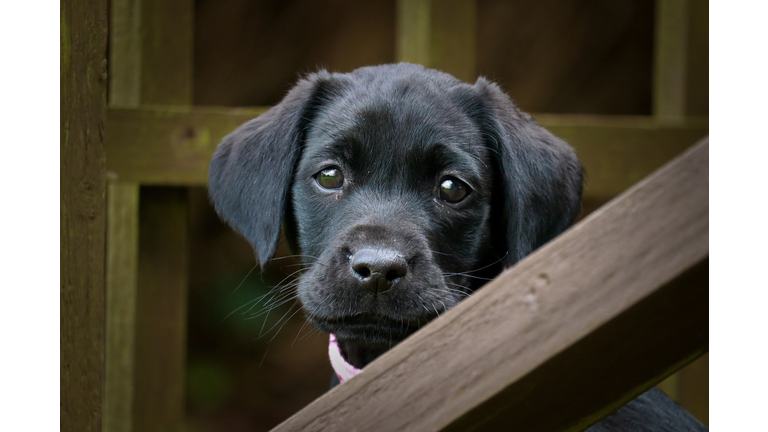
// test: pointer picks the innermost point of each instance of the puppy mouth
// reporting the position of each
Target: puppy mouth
(367, 330)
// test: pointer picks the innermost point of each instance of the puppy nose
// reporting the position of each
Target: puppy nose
(378, 269)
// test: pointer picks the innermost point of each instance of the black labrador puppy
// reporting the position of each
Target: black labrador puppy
(404, 190)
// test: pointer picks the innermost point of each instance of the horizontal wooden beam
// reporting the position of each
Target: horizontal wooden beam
(572, 332)
(174, 145)
(168, 145)
(619, 151)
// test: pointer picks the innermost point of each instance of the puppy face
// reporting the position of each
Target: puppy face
(403, 189)
(392, 201)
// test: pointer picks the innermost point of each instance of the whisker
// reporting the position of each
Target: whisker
(444, 307)
(297, 334)
(246, 304)
(435, 308)
(274, 291)
(312, 331)
(481, 268)
(293, 256)
(284, 323)
(243, 281)
(304, 265)
(273, 306)
(263, 333)
(458, 291)
(467, 275)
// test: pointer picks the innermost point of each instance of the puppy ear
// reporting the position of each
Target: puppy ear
(249, 177)
(541, 176)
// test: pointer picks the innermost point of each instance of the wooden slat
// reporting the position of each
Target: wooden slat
(151, 56)
(160, 371)
(570, 333)
(167, 29)
(439, 34)
(670, 59)
(122, 268)
(161, 310)
(125, 53)
(82, 213)
(412, 28)
(175, 145)
(122, 227)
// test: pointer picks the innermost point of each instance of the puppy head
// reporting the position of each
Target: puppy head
(403, 189)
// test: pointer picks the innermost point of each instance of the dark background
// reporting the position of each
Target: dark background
(564, 56)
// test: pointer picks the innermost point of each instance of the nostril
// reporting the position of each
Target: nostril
(362, 270)
(393, 275)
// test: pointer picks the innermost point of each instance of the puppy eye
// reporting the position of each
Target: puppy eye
(330, 178)
(453, 190)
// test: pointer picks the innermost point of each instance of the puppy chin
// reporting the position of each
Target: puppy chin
(361, 343)
(366, 330)
(357, 355)
(364, 337)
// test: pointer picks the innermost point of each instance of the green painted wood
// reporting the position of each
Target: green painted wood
(439, 34)
(83, 52)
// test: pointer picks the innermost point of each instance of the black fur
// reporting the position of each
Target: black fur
(386, 253)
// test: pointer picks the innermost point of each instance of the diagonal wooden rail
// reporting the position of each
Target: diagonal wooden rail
(572, 332)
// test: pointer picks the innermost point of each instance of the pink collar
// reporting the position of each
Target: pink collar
(343, 369)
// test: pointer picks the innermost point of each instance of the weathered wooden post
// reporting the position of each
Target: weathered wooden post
(83, 78)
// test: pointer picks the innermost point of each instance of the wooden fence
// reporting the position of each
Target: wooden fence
(640, 260)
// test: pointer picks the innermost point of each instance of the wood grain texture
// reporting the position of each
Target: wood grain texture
(579, 327)
(83, 53)
(438, 34)
(671, 58)
(161, 306)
